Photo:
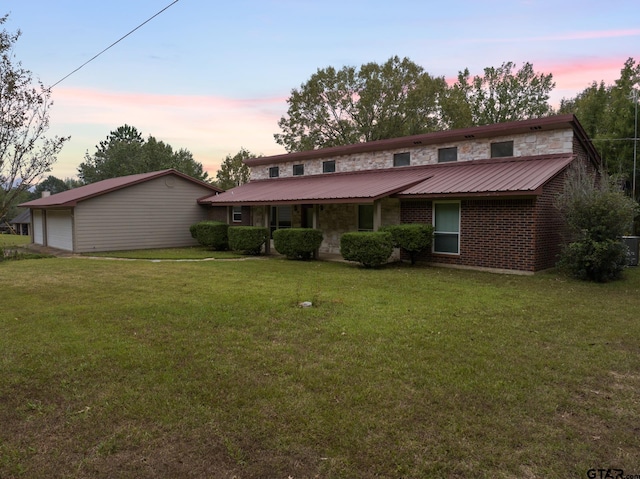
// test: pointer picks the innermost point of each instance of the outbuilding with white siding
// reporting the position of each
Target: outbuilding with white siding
(143, 211)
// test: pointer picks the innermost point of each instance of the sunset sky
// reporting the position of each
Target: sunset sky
(213, 77)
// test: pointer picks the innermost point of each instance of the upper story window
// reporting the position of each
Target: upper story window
(402, 159)
(274, 172)
(501, 148)
(329, 166)
(298, 170)
(446, 155)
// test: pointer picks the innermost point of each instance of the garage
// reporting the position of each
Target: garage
(60, 229)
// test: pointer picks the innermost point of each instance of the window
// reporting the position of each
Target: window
(446, 225)
(274, 172)
(280, 217)
(329, 166)
(446, 155)
(236, 214)
(501, 148)
(298, 170)
(402, 159)
(365, 217)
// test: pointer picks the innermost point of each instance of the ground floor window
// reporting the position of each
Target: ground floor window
(280, 217)
(236, 214)
(446, 225)
(365, 217)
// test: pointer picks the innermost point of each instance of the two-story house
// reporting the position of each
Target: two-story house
(488, 190)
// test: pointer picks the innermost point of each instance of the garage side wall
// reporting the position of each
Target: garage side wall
(153, 214)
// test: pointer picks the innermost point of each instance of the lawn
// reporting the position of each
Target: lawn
(13, 240)
(211, 369)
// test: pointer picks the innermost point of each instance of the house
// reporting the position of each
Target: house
(21, 224)
(487, 190)
(148, 210)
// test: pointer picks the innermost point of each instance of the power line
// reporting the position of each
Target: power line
(113, 44)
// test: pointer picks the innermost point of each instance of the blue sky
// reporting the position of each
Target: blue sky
(213, 77)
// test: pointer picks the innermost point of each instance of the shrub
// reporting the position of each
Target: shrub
(412, 238)
(297, 243)
(248, 239)
(596, 215)
(211, 234)
(370, 249)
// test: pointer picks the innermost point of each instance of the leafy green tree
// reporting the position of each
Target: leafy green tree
(607, 113)
(502, 94)
(233, 172)
(125, 152)
(26, 154)
(51, 184)
(350, 105)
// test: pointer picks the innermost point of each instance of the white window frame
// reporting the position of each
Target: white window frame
(236, 214)
(436, 232)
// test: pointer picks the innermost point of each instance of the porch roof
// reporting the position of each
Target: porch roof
(490, 177)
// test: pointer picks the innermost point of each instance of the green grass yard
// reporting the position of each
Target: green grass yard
(210, 369)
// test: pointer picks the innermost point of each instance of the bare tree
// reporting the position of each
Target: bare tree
(25, 152)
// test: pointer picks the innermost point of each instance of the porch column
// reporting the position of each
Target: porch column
(377, 215)
(267, 224)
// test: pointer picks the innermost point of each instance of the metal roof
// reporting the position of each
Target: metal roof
(73, 196)
(508, 176)
(349, 187)
(490, 177)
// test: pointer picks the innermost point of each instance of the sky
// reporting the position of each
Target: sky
(214, 77)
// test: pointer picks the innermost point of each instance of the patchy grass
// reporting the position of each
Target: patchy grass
(195, 252)
(13, 240)
(210, 369)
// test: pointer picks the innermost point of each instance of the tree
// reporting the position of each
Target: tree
(607, 113)
(233, 172)
(25, 151)
(338, 107)
(51, 184)
(125, 152)
(502, 94)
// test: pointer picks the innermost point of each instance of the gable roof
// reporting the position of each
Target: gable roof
(75, 195)
(549, 123)
(24, 217)
(490, 177)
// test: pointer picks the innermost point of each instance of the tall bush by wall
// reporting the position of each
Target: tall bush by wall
(248, 239)
(412, 238)
(297, 243)
(371, 249)
(211, 234)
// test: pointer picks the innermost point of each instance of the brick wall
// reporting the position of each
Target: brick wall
(494, 233)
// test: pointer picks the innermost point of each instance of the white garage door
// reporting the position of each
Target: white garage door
(60, 229)
(38, 237)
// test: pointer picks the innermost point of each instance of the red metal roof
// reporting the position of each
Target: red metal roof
(504, 176)
(507, 176)
(73, 196)
(349, 187)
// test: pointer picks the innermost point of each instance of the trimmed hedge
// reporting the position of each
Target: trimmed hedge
(412, 237)
(369, 248)
(297, 243)
(248, 239)
(211, 234)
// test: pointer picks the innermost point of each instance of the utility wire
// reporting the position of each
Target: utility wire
(113, 44)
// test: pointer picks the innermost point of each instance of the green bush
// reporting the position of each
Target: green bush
(412, 238)
(369, 248)
(211, 234)
(297, 243)
(597, 215)
(248, 239)
(595, 260)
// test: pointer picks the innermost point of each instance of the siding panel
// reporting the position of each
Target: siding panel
(154, 214)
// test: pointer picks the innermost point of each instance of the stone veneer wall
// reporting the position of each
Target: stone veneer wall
(535, 143)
